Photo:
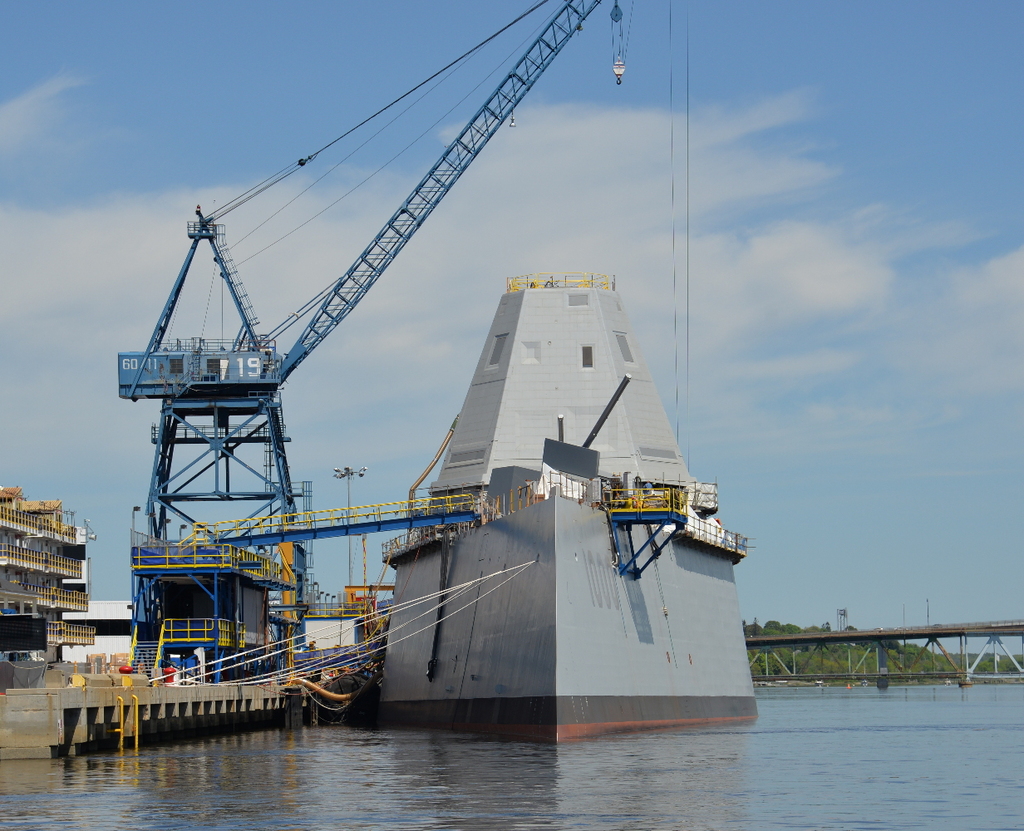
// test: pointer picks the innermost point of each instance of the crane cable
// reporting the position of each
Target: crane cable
(259, 653)
(328, 661)
(287, 171)
(620, 43)
(313, 302)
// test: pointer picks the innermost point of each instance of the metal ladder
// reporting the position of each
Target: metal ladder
(249, 318)
(145, 657)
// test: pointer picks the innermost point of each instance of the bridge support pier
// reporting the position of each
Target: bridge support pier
(883, 668)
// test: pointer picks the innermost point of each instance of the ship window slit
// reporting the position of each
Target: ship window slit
(496, 350)
(627, 356)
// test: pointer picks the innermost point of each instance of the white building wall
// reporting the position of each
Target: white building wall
(105, 645)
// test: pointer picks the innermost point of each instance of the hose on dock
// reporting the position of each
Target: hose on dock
(343, 698)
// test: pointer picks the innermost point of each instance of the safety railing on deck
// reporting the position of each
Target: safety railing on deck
(157, 555)
(570, 280)
(631, 500)
(11, 555)
(192, 630)
(62, 633)
(331, 610)
(661, 501)
(625, 505)
(421, 536)
(311, 520)
(57, 598)
(37, 524)
(710, 531)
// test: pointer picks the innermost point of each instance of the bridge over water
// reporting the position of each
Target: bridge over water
(882, 654)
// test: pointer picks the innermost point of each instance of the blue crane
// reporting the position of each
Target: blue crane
(219, 397)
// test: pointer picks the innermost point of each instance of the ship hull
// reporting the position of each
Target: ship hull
(540, 637)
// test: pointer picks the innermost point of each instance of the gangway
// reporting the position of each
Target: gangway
(340, 522)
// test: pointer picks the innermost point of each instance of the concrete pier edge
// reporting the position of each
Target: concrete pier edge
(47, 723)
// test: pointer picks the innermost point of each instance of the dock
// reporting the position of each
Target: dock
(111, 712)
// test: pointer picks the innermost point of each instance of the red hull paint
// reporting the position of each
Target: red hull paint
(569, 732)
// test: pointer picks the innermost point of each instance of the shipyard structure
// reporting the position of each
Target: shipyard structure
(43, 575)
(597, 594)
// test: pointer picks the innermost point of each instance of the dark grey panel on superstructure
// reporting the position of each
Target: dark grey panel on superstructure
(506, 482)
(571, 458)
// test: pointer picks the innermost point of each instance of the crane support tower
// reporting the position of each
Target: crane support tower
(220, 399)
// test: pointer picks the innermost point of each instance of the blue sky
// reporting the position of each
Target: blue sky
(856, 257)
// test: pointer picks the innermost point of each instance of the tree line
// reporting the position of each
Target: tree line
(838, 659)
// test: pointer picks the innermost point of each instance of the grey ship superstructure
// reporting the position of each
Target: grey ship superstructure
(560, 349)
(599, 597)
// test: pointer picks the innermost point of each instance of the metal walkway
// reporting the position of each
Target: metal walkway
(339, 522)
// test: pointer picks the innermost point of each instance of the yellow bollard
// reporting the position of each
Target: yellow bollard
(120, 730)
(135, 704)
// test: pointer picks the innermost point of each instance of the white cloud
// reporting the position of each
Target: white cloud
(966, 333)
(33, 115)
(785, 274)
(718, 126)
(560, 192)
(800, 327)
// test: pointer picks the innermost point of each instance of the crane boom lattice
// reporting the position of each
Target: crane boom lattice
(220, 399)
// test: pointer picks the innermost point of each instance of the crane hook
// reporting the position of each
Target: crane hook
(619, 67)
(619, 64)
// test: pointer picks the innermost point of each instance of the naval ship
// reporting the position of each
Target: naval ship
(596, 594)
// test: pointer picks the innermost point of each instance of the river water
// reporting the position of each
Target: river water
(832, 758)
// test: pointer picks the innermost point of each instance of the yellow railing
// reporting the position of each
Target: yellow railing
(631, 500)
(203, 630)
(11, 555)
(34, 523)
(264, 567)
(191, 554)
(570, 280)
(674, 500)
(336, 610)
(311, 520)
(60, 632)
(57, 598)
(355, 608)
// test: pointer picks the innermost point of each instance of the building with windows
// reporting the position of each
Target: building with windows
(42, 577)
(111, 620)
